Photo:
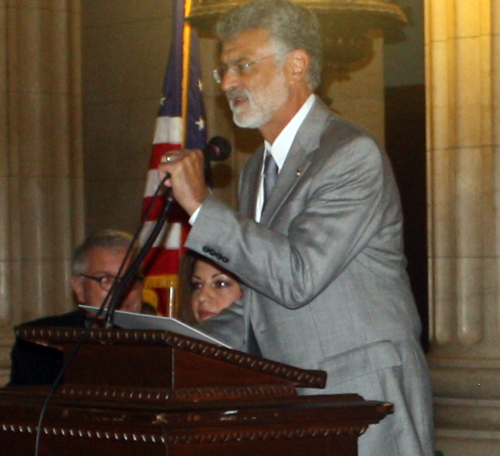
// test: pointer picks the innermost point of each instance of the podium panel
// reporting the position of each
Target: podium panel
(158, 393)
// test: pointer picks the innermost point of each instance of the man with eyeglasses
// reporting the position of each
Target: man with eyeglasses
(95, 267)
(317, 242)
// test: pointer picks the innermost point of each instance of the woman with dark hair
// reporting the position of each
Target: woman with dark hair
(206, 288)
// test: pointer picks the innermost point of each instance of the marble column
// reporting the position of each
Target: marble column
(463, 134)
(41, 173)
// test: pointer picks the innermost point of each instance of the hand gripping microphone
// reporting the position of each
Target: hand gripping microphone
(217, 149)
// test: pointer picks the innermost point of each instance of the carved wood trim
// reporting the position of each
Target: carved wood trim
(54, 336)
(186, 437)
(178, 395)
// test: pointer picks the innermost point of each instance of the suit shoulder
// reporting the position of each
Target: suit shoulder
(346, 141)
(344, 130)
(325, 132)
(69, 319)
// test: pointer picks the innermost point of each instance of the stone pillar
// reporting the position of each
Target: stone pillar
(359, 96)
(463, 80)
(41, 175)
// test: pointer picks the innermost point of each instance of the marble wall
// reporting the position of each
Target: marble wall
(125, 48)
(41, 172)
(462, 69)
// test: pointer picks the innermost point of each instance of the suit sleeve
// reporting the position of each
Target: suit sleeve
(33, 364)
(228, 327)
(340, 205)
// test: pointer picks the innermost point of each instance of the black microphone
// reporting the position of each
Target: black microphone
(217, 149)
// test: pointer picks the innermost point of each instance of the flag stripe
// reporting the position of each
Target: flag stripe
(172, 241)
(168, 130)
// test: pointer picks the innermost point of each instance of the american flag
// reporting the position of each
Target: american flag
(180, 123)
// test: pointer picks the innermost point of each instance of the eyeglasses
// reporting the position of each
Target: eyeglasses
(106, 281)
(238, 68)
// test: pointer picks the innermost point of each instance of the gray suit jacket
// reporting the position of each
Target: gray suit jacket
(324, 271)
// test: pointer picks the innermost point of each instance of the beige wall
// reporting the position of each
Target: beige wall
(125, 50)
(41, 167)
(360, 98)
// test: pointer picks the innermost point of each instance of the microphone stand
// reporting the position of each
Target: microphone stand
(114, 297)
(134, 267)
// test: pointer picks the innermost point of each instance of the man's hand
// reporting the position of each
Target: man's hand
(187, 177)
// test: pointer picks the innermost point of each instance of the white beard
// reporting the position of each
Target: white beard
(260, 105)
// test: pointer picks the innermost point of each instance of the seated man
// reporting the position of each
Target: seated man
(96, 263)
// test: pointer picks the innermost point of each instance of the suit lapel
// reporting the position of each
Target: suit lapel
(298, 158)
(249, 186)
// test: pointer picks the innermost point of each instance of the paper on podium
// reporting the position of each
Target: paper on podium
(132, 320)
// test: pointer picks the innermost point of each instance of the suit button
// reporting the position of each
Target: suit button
(208, 250)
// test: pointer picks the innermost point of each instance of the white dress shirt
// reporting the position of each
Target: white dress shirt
(280, 148)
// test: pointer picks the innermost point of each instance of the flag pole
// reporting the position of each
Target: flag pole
(180, 123)
(186, 60)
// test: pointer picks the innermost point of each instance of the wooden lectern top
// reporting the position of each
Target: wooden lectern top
(162, 359)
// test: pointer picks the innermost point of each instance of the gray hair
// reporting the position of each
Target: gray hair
(111, 240)
(290, 27)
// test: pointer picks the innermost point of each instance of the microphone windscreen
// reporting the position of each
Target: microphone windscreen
(217, 149)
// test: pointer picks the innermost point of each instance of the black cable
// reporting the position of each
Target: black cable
(132, 270)
(114, 294)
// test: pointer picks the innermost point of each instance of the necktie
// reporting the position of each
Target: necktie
(270, 176)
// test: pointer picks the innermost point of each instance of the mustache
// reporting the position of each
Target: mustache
(235, 93)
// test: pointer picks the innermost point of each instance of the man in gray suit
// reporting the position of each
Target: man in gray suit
(321, 259)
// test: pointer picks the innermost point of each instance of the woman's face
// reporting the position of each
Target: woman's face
(212, 290)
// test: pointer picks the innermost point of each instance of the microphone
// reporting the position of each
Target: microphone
(217, 149)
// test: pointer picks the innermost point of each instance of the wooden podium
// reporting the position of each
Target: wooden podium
(129, 392)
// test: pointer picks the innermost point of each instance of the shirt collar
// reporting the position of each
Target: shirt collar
(281, 145)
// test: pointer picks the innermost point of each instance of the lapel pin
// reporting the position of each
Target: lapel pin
(297, 173)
